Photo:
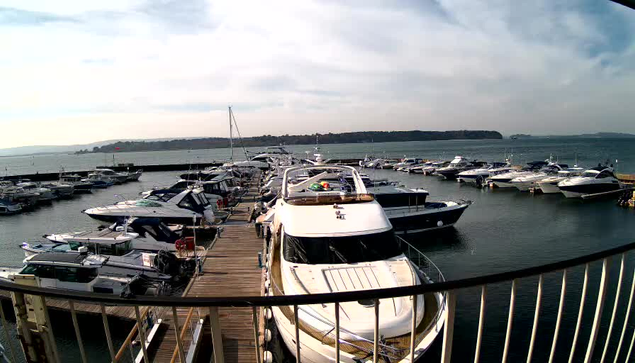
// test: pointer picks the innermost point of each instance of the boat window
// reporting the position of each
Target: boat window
(188, 202)
(147, 203)
(336, 250)
(74, 274)
(39, 271)
(604, 174)
(589, 174)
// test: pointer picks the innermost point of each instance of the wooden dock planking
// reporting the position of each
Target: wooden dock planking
(230, 268)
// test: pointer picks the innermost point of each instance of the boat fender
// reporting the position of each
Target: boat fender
(268, 335)
(267, 357)
(268, 314)
(440, 224)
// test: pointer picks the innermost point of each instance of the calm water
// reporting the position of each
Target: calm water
(502, 230)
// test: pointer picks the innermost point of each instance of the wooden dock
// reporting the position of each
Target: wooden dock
(230, 268)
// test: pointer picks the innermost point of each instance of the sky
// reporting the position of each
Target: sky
(75, 72)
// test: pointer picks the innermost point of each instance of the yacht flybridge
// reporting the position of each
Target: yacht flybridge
(169, 206)
(331, 236)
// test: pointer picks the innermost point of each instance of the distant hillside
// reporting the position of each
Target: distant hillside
(597, 135)
(268, 140)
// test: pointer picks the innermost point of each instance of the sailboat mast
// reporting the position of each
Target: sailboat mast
(231, 141)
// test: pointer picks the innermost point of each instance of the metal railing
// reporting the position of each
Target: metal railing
(594, 346)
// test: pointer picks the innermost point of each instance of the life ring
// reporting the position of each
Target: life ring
(180, 244)
(219, 203)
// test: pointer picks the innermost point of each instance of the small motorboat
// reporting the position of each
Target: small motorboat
(80, 184)
(45, 195)
(8, 208)
(60, 189)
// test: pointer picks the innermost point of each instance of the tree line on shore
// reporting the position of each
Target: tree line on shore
(269, 140)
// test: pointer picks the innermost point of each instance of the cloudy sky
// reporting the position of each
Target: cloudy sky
(82, 71)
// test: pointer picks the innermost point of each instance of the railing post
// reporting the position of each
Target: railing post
(78, 334)
(254, 318)
(481, 323)
(626, 317)
(580, 311)
(177, 330)
(556, 331)
(413, 329)
(615, 304)
(142, 335)
(448, 332)
(376, 333)
(296, 320)
(104, 319)
(217, 339)
(534, 330)
(604, 282)
(510, 319)
(337, 332)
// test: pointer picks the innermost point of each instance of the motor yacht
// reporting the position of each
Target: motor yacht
(185, 207)
(432, 168)
(332, 237)
(108, 175)
(406, 162)
(79, 272)
(525, 182)
(549, 185)
(8, 208)
(456, 166)
(503, 180)
(60, 190)
(596, 180)
(80, 184)
(45, 195)
(409, 212)
(133, 176)
(479, 175)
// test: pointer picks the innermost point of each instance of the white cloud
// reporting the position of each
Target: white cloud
(137, 69)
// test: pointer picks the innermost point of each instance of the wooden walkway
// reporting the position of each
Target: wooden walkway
(230, 268)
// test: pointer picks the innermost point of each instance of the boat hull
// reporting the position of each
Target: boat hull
(431, 217)
(549, 188)
(577, 191)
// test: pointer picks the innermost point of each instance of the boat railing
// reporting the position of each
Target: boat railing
(604, 334)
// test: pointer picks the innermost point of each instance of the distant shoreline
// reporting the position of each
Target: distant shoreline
(268, 140)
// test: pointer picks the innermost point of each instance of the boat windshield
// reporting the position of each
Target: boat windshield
(589, 174)
(337, 250)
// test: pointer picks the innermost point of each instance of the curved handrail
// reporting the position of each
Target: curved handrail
(250, 301)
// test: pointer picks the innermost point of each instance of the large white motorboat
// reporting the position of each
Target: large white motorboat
(79, 272)
(525, 182)
(478, 176)
(457, 165)
(503, 180)
(549, 185)
(171, 207)
(593, 181)
(334, 237)
(405, 163)
(45, 195)
(108, 175)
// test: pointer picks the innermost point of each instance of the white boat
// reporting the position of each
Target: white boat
(592, 181)
(61, 190)
(457, 165)
(525, 182)
(549, 185)
(333, 237)
(77, 272)
(108, 175)
(405, 163)
(503, 180)
(8, 208)
(186, 207)
(45, 195)
(479, 175)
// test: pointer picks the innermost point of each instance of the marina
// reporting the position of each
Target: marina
(232, 265)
